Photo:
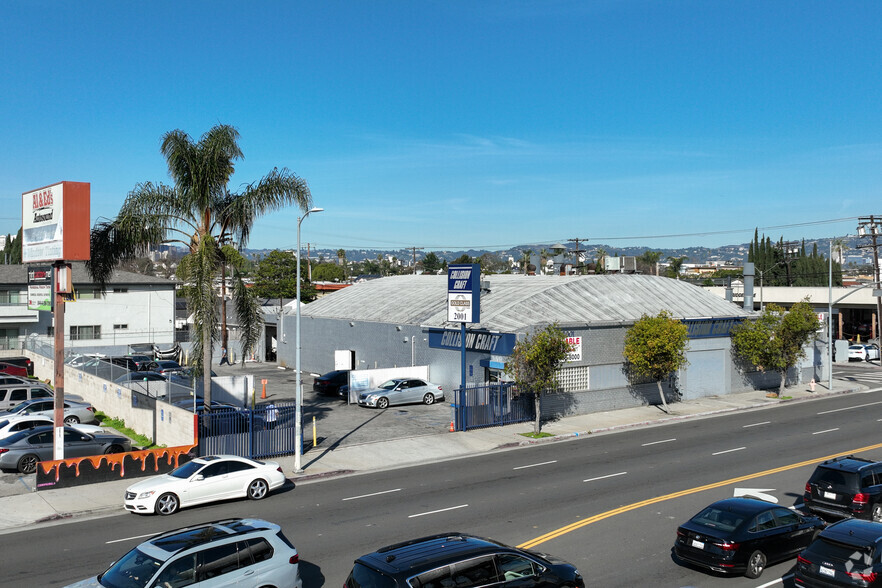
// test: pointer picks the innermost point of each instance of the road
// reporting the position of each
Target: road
(608, 503)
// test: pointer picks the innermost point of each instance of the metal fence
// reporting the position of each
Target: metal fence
(264, 431)
(493, 405)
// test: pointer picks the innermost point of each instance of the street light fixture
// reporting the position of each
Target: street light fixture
(298, 411)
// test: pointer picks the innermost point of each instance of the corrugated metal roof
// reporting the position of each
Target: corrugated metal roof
(16, 274)
(517, 302)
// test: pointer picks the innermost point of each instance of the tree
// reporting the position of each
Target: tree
(199, 212)
(600, 265)
(675, 264)
(464, 258)
(655, 347)
(431, 263)
(776, 340)
(534, 364)
(12, 251)
(341, 258)
(650, 259)
(276, 277)
(327, 272)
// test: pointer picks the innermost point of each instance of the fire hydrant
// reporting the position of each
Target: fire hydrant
(812, 385)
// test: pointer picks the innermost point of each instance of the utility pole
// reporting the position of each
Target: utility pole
(308, 265)
(577, 251)
(414, 256)
(868, 226)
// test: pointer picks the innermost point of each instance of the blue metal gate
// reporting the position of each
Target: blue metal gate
(494, 405)
(265, 431)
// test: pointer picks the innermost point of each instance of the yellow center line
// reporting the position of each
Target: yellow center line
(629, 507)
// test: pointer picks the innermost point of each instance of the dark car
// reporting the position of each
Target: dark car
(743, 535)
(165, 366)
(846, 487)
(20, 361)
(454, 559)
(846, 553)
(22, 451)
(330, 383)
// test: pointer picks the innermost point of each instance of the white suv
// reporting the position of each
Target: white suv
(230, 552)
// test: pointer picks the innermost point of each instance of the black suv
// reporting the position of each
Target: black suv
(331, 382)
(454, 559)
(846, 553)
(846, 487)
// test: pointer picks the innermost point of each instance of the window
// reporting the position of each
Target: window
(44, 438)
(120, 290)
(88, 294)
(786, 517)
(255, 551)
(120, 327)
(18, 395)
(475, 572)
(40, 393)
(219, 560)
(10, 297)
(85, 332)
(513, 566)
(181, 572)
(764, 522)
(238, 466)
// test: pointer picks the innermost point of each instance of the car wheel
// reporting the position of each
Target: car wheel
(383, 403)
(258, 489)
(27, 464)
(755, 565)
(71, 420)
(167, 504)
(429, 399)
(877, 513)
(113, 449)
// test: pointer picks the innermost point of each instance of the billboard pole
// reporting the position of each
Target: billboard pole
(62, 274)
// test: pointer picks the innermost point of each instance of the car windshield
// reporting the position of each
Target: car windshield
(716, 518)
(19, 408)
(134, 570)
(389, 385)
(186, 470)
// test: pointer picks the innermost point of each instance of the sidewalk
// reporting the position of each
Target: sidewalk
(24, 510)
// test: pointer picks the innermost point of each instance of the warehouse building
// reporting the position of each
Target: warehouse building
(402, 321)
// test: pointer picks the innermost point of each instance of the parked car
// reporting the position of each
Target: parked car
(204, 479)
(141, 361)
(74, 412)
(22, 451)
(165, 367)
(140, 377)
(230, 552)
(22, 361)
(454, 559)
(330, 383)
(863, 352)
(743, 535)
(13, 370)
(109, 368)
(78, 359)
(14, 424)
(10, 396)
(7, 379)
(401, 391)
(846, 487)
(846, 553)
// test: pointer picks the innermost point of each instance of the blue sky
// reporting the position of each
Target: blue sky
(458, 124)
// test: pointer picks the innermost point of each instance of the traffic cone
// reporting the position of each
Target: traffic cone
(451, 427)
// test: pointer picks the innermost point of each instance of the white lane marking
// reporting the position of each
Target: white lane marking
(825, 431)
(729, 451)
(778, 581)
(129, 538)
(436, 511)
(871, 390)
(373, 494)
(756, 424)
(850, 407)
(533, 465)
(657, 442)
(604, 477)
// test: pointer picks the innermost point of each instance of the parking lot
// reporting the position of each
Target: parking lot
(338, 423)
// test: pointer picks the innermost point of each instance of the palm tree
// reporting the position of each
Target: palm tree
(600, 266)
(341, 258)
(199, 212)
(675, 264)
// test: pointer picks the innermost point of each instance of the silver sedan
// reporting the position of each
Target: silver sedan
(401, 391)
(74, 412)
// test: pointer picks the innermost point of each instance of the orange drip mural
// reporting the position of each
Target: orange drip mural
(102, 468)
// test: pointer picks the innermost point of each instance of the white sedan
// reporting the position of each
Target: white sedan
(204, 479)
(15, 423)
(863, 352)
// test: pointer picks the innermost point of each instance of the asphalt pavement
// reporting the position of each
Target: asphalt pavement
(377, 449)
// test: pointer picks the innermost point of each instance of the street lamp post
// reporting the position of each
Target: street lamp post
(298, 410)
(762, 273)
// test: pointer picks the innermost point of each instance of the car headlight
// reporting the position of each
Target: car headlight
(147, 494)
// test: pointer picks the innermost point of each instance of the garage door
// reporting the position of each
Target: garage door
(705, 374)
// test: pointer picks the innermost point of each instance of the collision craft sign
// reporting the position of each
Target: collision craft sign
(464, 293)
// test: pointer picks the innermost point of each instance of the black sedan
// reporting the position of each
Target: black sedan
(743, 535)
(22, 451)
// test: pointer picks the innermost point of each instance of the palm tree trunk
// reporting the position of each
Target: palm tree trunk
(537, 403)
(206, 366)
(661, 394)
(224, 307)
